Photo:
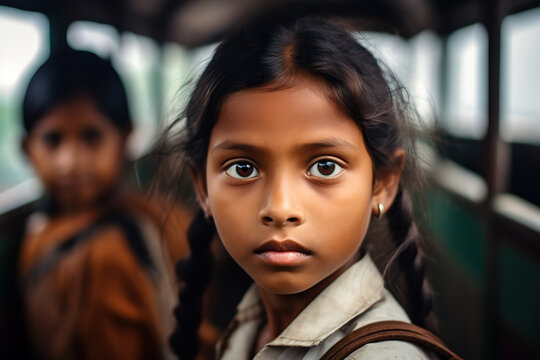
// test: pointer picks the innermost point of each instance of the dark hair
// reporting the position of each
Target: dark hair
(68, 74)
(276, 54)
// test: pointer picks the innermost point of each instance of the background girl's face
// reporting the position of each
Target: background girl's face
(289, 185)
(77, 153)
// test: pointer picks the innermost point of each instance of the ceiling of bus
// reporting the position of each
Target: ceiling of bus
(198, 22)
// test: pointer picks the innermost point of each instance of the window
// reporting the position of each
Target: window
(520, 105)
(520, 77)
(180, 70)
(100, 39)
(20, 54)
(415, 63)
(424, 76)
(175, 75)
(465, 111)
(391, 50)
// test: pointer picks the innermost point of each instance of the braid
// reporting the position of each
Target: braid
(195, 273)
(417, 295)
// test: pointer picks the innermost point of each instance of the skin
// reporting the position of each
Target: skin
(77, 153)
(287, 164)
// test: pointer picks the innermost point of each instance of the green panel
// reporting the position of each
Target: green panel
(519, 293)
(460, 232)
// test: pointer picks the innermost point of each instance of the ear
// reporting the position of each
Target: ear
(24, 146)
(386, 184)
(125, 137)
(199, 182)
(126, 132)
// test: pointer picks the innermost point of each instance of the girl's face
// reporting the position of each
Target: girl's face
(289, 183)
(77, 153)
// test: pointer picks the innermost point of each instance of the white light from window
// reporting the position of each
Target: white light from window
(391, 51)
(465, 113)
(138, 61)
(423, 80)
(23, 46)
(100, 39)
(520, 79)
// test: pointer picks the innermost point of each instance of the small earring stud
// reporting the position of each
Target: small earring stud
(380, 207)
(207, 213)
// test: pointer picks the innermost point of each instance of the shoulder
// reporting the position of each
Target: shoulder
(109, 262)
(399, 350)
(116, 282)
(170, 220)
(127, 253)
(122, 240)
(107, 245)
(387, 309)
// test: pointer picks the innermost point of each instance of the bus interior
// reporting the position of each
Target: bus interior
(471, 66)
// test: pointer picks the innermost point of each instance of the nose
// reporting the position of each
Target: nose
(280, 206)
(68, 156)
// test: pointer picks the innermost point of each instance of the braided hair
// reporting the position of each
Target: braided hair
(277, 53)
(195, 272)
(409, 258)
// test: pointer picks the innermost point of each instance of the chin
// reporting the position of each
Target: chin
(74, 204)
(284, 287)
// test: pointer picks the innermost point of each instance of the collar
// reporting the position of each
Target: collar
(351, 294)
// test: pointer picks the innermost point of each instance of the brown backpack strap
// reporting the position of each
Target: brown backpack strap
(384, 331)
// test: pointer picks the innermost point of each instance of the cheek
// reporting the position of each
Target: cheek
(233, 213)
(109, 166)
(233, 234)
(234, 210)
(41, 160)
(353, 225)
(109, 160)
(343, 214)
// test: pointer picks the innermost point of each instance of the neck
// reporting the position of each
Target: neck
(105, 201)
(281, 310)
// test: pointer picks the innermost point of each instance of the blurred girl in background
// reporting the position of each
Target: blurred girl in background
(94, 266)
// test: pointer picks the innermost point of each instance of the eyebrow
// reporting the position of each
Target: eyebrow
(230, 145)
(324, 143)
(328, 143)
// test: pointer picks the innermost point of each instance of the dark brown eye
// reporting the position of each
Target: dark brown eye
(92, 136)
(242, 170)
(52, 139)
(325, 169)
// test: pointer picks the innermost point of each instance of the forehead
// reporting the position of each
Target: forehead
(75, 114)
(270, 115)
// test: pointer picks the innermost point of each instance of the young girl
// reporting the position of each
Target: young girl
(298, 147)
(92, 264)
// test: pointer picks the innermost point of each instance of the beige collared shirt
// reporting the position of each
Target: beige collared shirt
(354, 299)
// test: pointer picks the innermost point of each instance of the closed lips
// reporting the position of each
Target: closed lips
(282, 246)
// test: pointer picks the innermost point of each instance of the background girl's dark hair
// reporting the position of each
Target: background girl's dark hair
(68, 74)
(276, 54)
